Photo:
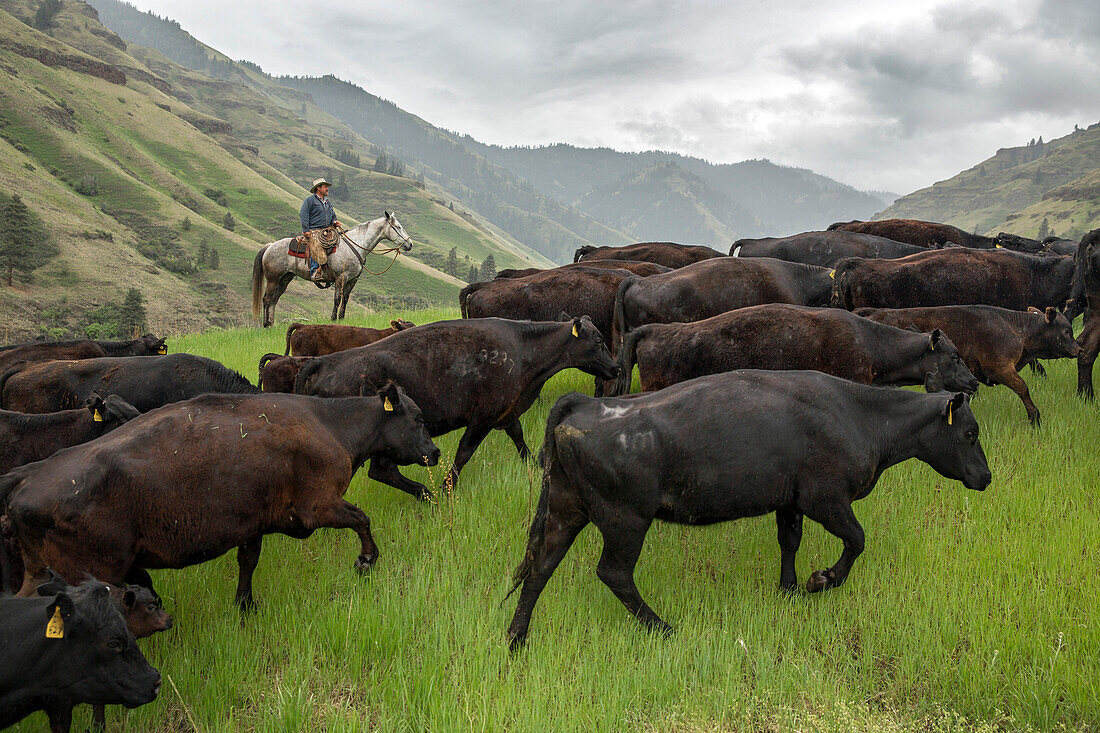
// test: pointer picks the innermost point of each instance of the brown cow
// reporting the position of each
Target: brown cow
(715, 286)
(36, 351)
(192, 480)
(779, 336)
(914, 231)
(823, 249)
(306, 339)
(955, 276)
(635, 266)
(668, 254)
(278, 372)
(995, 343)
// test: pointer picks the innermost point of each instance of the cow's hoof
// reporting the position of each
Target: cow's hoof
(425, 494)
(821, 580)
(247, 606)
(516, 642)
(363, 563)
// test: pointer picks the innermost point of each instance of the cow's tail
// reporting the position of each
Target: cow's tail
(289, 331)
(547, 456)
(4, 380)
(583, 251)
(301, 382)
(263, 362)
(627, 356)
(464, 295)
(258, 282)
(618, 322)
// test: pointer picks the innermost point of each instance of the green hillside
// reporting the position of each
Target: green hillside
(1016, 189)
(114, 147)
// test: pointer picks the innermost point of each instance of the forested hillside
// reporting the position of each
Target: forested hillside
(1040, 188)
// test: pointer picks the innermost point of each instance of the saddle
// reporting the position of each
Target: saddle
(328, 238)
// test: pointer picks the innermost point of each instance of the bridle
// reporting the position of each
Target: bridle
(356, 248)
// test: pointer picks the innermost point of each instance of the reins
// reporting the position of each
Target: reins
(362, 263)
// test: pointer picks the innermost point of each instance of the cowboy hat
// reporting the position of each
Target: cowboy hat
(318, 182)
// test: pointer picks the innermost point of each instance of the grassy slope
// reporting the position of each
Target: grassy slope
(1000, 194)
(150, 160)
(966, 612)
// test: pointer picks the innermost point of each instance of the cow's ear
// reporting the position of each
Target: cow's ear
(95, 404)
(1033, 309)
(55, 584)
(563, 317)
(934, 339)
(391, 400)
(1051, 313)
(129, 598)
(395, 325)
(957, 400)
(577, 327)
(63, 603)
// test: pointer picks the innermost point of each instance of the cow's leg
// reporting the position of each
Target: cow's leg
(345, 515)
(348, 287)
(1011, 379)
(838, 519)
(514, 430)
(140, 576)
(789, 525)
(545, 550)
(99, 718)
(248, 555)
(338, 294)
(61, 717)
(597, 390)
(623, 538)
(1090, 347)
(467, 444)
(1038, 368)
(385, 471)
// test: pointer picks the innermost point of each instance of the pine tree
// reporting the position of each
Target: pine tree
(215, 259)
(23, 241)
(229, 222)
(132, 314)
(185, 225)
(451, 268)
(47, 11)
(204, 250)
(488, 268)
(1044, 230)
(471, 276)
(381, 163)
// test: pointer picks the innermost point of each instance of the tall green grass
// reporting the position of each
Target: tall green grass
(967, 611)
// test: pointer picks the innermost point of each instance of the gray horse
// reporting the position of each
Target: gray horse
(278, 268)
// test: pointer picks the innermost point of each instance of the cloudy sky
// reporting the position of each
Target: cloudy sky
(885, 95)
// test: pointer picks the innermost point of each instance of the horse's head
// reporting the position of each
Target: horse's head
(396, 233)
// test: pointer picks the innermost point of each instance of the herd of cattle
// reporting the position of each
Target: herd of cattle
(763, 374)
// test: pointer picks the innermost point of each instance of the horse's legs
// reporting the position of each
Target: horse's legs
(337, 294)
(275, 290)
(348, 287)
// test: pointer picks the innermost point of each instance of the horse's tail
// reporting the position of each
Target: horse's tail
(258, 282)
(289, 330)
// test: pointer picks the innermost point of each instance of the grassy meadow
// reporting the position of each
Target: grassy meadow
(967, 611)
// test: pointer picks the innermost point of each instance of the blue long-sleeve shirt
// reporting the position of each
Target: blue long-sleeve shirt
(315, 213)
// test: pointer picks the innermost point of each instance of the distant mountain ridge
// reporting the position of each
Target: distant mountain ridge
(1017, 189)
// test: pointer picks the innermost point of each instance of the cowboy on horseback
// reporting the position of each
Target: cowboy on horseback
(317, 215)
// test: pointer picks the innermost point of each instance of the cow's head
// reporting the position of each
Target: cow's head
(111, 412)
(141, 610)
(402, 432)
(152, 346)
(1055, 339)
(97, 654)
(949, 443)
(401, 324)
(943, 367)
(1088, 253)
(587, 351)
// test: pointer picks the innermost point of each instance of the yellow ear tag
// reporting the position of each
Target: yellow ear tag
(55, 629)
(97, 416)
(832, 274)
(950, 409)
(387, 405)
(1000, 246)
(575, 331)
(162, 350)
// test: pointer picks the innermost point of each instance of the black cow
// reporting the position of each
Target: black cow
(727, 446)
(668, 254)
(1086, 299)
(68, 648)
(782, 336)
(715, 286)
(145, 382)
(635, 266)
(35, 351)
(823, 249)
(1059, 246)
(480, 374)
